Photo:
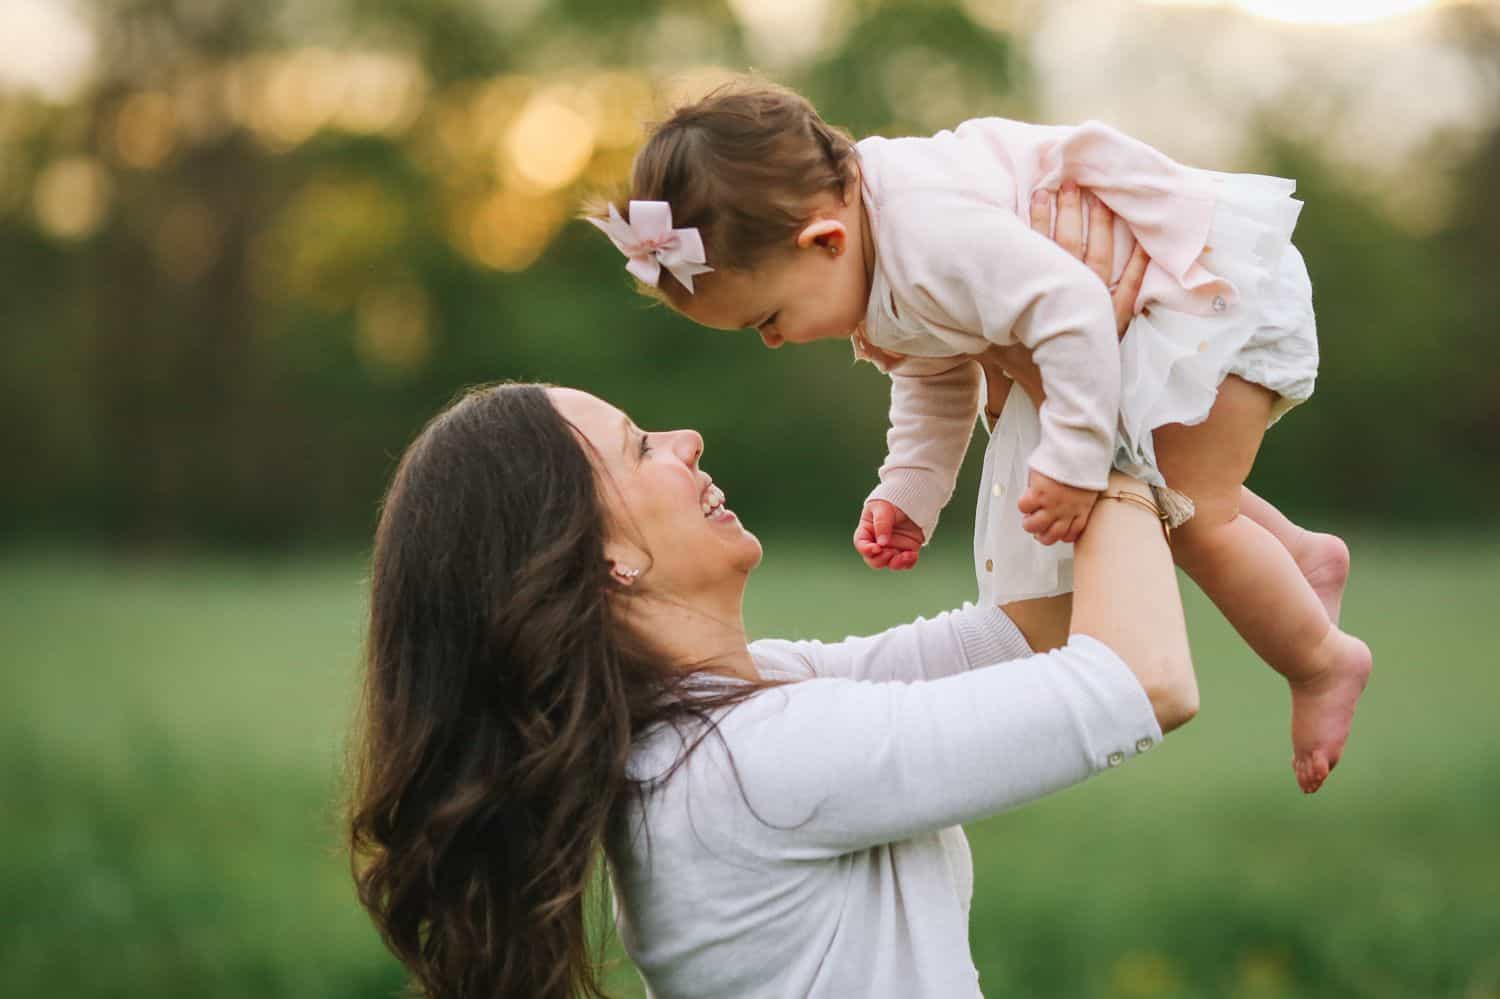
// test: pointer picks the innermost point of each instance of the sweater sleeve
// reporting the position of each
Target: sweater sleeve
(925, 649)
(833, 766)
(972, 273)
(933, 405)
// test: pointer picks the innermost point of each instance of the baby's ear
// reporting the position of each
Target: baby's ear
(825, 234)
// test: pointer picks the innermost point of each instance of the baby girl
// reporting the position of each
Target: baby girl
(747, 210)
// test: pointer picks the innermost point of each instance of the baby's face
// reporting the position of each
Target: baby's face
(798, 295)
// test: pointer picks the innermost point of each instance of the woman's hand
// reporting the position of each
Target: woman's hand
(1098, 250)
(1094, 244)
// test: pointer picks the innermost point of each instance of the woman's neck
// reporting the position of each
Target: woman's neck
(705, 632)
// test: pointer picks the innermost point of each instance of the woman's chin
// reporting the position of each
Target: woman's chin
(748, 547)
(754, 552)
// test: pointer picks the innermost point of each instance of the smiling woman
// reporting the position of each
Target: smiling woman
(543, 691)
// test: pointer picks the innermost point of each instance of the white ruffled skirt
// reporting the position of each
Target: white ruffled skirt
(1172, 364)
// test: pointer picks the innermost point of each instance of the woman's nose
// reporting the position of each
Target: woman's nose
(689, 445)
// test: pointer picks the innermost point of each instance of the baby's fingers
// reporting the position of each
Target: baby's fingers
(1037, 523)
(1057, 532)
(1030, 502)
(902, 543)
(904, 561)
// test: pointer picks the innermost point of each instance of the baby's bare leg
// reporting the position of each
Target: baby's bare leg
(1323, 558)
(1254, 580)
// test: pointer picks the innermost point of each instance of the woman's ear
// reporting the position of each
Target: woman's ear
(825, 234)
(626, 563)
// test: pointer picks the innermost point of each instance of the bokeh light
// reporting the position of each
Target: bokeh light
(71, 197)
(509, 229)
(551, 140)
(395, 325)
(144, 129)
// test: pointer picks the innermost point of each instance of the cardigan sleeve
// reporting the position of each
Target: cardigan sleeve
(934, 402)
(925, 649)
(973, 274)
(830, 766)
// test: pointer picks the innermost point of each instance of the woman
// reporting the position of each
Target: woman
(557, 662)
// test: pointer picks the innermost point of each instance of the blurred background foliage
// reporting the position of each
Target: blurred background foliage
(247, 249)
(259, 244)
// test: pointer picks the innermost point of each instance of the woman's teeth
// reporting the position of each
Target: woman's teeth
(713, 501)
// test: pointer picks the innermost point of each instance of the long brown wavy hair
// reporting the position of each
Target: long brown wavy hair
(503, 691)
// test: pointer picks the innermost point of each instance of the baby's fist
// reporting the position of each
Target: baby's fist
(886, 537)
(1053, 511)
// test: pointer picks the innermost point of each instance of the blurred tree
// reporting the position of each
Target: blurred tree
(267, 241)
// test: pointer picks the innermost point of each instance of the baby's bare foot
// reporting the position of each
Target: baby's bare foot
(1323, 709)
(1324, 561)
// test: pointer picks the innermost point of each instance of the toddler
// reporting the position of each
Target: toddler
(749, 211)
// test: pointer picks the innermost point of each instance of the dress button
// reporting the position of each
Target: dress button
(995, 490)
(1116, 758)
(989, 565)
(1143, 744)
(1219, 304)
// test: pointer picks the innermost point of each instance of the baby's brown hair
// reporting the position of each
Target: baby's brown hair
(742, 165)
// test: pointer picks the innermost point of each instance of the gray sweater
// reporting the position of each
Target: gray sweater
(812, 847)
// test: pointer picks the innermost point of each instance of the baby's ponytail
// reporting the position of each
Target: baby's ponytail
(742, 165)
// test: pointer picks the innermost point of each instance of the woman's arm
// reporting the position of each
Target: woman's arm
(925, 649)
(1125, 594)
(829, 766)
(1045, 621)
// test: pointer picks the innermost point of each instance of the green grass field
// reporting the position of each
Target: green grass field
(171, 739)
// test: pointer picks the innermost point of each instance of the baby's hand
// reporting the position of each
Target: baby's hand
(1054, 512)
(886, 537)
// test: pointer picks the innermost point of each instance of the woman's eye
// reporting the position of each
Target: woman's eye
(645, 445)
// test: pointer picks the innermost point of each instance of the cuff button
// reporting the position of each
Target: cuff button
(1116, 758)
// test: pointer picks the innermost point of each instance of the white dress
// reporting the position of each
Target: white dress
(1172, 364)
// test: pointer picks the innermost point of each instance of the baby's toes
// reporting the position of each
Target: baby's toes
(1312, 770)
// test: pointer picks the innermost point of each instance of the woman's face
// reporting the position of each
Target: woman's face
(667, 517)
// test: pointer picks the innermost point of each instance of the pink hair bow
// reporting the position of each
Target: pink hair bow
(650, 243)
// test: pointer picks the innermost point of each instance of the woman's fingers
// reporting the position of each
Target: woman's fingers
(1041, 212)
(1129, 289)
(1099, 252)
(1070, 219)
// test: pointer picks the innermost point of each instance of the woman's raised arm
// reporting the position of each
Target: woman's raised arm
(1125, 595)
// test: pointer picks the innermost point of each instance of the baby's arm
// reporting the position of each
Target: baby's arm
(933, 405)
(975, 275)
